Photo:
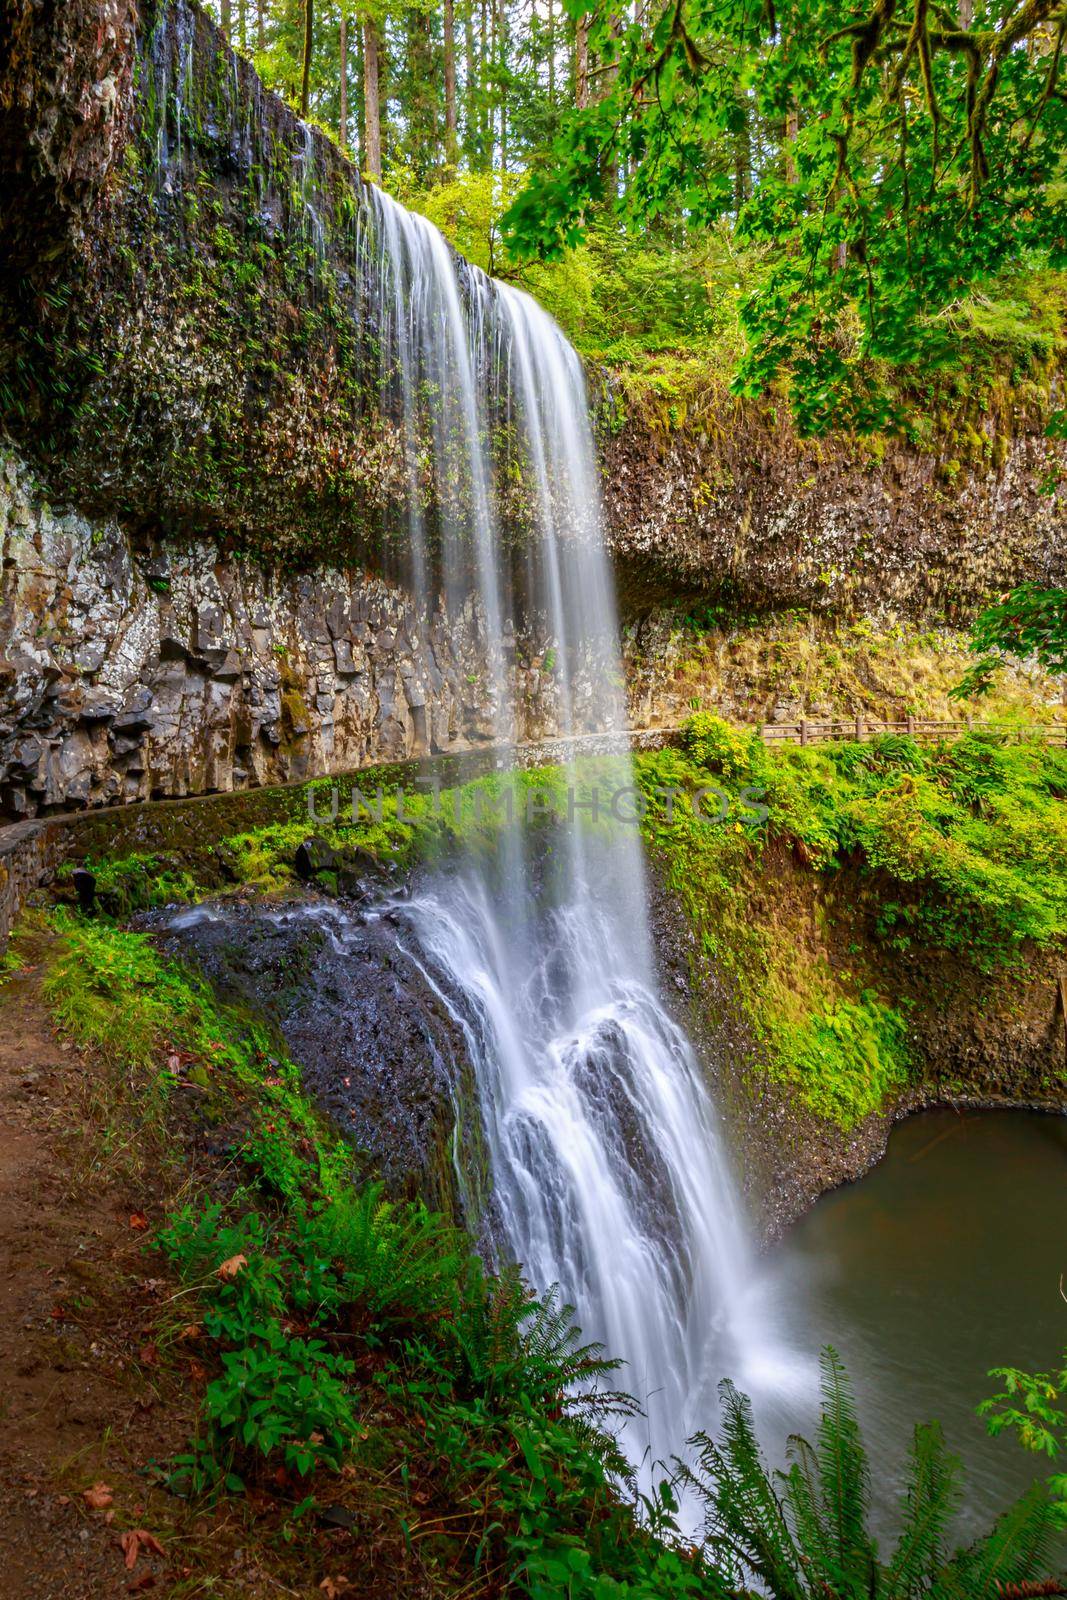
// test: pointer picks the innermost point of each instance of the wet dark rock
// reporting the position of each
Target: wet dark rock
(84, 887)
(313, 856)
(378, 1051)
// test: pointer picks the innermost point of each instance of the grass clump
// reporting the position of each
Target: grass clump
(111, 990)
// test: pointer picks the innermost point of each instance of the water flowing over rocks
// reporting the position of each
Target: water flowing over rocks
(378, 1049)
(205, 371)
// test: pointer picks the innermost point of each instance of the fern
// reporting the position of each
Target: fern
(844, 1476)
(930, 1499)
(1016, 1553)
(804, 1534)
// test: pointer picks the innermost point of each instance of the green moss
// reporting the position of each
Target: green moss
(137, 882)
(111, 990)
(958, 848)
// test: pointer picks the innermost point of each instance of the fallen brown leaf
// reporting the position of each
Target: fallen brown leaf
(332, 1587)
(192, 1330)
(133, 1541)
(139, 1221)
(149, 1355)
(230, 1268)
(97, 1497)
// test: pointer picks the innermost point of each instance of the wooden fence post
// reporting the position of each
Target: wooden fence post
(803, 730)
(859, 730)
(911, 725)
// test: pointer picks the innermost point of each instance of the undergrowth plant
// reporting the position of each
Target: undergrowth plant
(956, 847)
(804, 1534)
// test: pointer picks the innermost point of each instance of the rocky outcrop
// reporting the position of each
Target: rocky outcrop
(64, 91)
(190, 360)
(130, 674)
(733, 507)
(195, 351)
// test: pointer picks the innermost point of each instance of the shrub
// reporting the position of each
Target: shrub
(717, 746)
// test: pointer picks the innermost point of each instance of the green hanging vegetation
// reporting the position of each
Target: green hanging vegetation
(958, 848)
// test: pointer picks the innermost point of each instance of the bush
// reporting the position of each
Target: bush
(715, 745)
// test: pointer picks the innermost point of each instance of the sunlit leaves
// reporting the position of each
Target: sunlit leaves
(887, 170)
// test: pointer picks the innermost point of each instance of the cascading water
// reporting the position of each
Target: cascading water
(608, 1173)
(607, 1167)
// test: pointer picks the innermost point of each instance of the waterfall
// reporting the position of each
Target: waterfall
(608, 1167)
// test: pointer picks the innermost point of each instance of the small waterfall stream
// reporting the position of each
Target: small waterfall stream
(608, 1168)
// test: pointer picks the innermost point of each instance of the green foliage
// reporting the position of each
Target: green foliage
(959, 847)
(849, 1056)
(1032, 1406)
(1029, 622)
(136, 882)
(804, 1534)
(719, 747)
(362, 1326)
(112, 990)
(668, 309)
(918, 162)
(972, 835)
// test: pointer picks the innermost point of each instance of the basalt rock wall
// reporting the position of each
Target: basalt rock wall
(138, 672)
(733, 507)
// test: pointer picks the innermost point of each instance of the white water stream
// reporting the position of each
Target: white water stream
(607, 1163)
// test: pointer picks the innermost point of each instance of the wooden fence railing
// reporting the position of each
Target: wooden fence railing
(816, 730)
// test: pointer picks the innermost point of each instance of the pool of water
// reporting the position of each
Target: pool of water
(943, 1262)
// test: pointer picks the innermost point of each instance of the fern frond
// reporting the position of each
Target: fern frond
(802, 1499)
(745, 1520)
(930, 1500)
(845, 1478)
(1015, 1553)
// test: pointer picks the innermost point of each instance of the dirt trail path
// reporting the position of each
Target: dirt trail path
(76, 1407)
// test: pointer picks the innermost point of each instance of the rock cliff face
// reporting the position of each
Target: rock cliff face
(190, 368)
(735, 507)
(167, 670)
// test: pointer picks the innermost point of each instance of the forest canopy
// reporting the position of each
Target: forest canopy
(841, 198)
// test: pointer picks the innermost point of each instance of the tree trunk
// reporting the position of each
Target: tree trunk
(261, 24)
(372, 120)
(502, 67)
(487, 106)
(342, 130)
(606, 81)
(451, 142)
(226, 18)
(581, 63)
(551, 32)
(242, 26)
(470, 97)
(309, 34)
(742, 158)
(792, 128)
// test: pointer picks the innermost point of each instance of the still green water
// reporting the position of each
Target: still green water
(943, 1262)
